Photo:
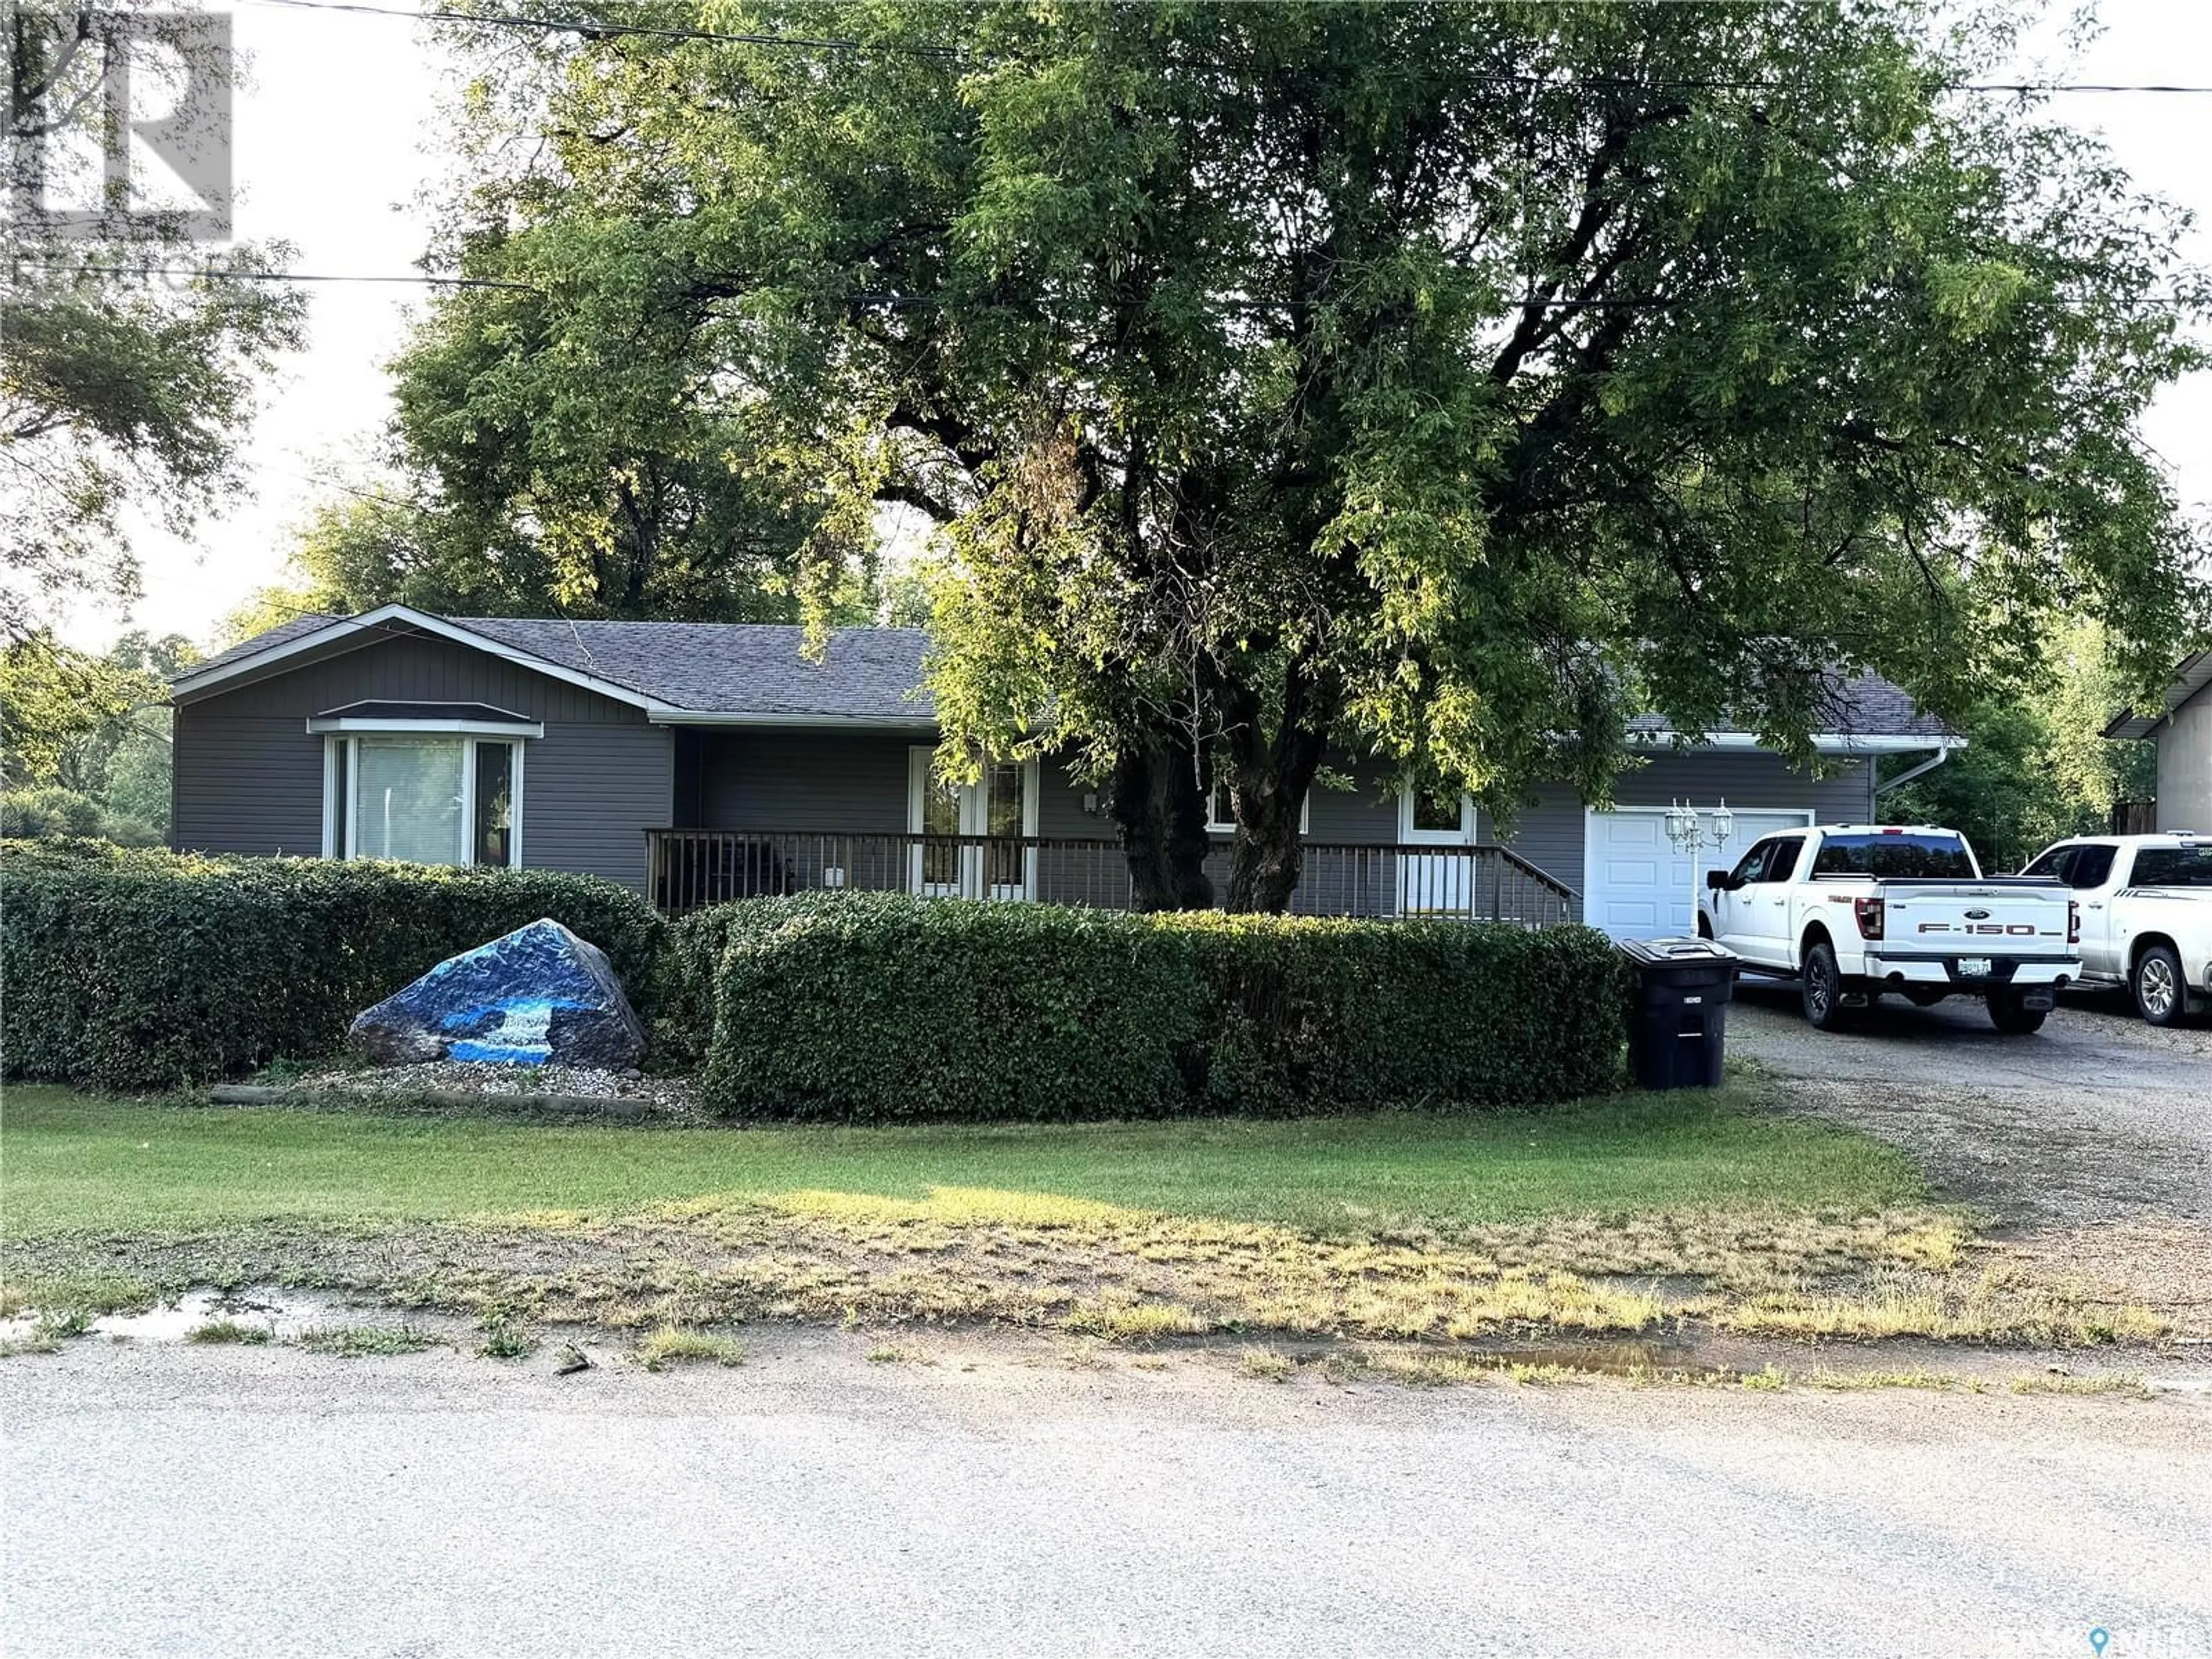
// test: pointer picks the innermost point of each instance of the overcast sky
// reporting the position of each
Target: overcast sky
(335, 140)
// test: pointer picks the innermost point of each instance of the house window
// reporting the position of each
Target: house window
(1428, 816)
(424, 798)
(1221, 813)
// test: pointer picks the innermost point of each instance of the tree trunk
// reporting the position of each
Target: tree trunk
(1272, 779)
(1163, 819)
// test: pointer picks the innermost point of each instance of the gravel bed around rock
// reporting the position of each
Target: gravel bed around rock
(669, 1097)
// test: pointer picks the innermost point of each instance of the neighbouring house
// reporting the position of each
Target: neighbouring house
(702, 761)
(2181, 731)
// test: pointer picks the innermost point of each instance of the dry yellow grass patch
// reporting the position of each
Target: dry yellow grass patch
(968, 1255)
(1956, 1307)
(1265, 1365)
(671, 1346)
(1136, 1321)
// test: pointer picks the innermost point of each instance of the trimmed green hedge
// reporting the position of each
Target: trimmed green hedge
(149, 970)
(877, 1006)
(135, 969)
(1322, 1014)
(881, 1007)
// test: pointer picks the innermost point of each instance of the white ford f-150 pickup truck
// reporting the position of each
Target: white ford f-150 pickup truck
(2146, 915)
(1854, 910)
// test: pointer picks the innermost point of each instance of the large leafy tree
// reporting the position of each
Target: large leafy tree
(84, 738)
(1439, 381)
(130, 353)
(564, 440)
(572, 445)
(2037, 768)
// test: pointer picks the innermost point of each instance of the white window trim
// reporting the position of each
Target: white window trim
(973, 809)
(338, 770)
(1228, 826)
(341, 763)
(433, 728)
(1409, 836)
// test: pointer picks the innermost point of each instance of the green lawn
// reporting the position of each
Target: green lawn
(68, 1162)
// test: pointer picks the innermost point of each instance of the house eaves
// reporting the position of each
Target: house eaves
(2189, 680)
(351, 633)
(1824, 743)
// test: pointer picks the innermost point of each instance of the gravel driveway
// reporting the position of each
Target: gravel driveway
(2088, 1144)
(2096, 1117)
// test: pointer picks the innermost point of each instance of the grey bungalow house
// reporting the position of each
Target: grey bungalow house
(699, 761)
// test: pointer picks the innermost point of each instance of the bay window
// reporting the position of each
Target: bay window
(424, 790)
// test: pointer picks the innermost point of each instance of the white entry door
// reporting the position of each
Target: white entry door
(1635, 885)
(1441, 882)
(1001, 807)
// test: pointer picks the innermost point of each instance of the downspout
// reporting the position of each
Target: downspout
(1910, 773)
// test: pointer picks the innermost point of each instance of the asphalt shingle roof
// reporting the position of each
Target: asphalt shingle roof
(1867, 706)
(306, 624)
(868, 673)
(724, 668)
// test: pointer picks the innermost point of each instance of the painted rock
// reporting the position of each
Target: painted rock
(537, 994)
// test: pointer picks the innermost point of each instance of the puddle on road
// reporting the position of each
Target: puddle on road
(282, 1314)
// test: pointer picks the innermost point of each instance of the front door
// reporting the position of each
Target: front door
(975, 837)
(1439, 883)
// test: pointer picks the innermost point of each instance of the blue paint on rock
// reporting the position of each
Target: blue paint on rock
(537, 994)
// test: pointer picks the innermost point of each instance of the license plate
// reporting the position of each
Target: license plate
(1974, 967)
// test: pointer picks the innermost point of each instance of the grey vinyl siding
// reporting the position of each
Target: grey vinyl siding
(249, 774)
(1365, 815)
(2184, 767)
(247, 784)
(589, 794)
(1750, 778)
(1059, 804)
(417, 668)
(805, 780)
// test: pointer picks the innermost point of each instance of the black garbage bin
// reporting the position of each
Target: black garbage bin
(1679, 1024)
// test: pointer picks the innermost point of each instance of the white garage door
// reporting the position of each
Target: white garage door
(1635, 885)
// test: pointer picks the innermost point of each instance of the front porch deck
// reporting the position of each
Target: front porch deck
(689, 869)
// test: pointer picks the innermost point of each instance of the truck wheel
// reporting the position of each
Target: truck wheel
(2156, 982)
(2009, 1015)
(1823, 989)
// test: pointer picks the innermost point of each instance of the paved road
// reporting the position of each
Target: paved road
(2097, 1118)
(163, 1500)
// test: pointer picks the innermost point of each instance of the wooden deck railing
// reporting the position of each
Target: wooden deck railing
(688, 869)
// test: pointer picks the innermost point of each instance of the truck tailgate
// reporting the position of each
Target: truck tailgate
(1987, 918)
